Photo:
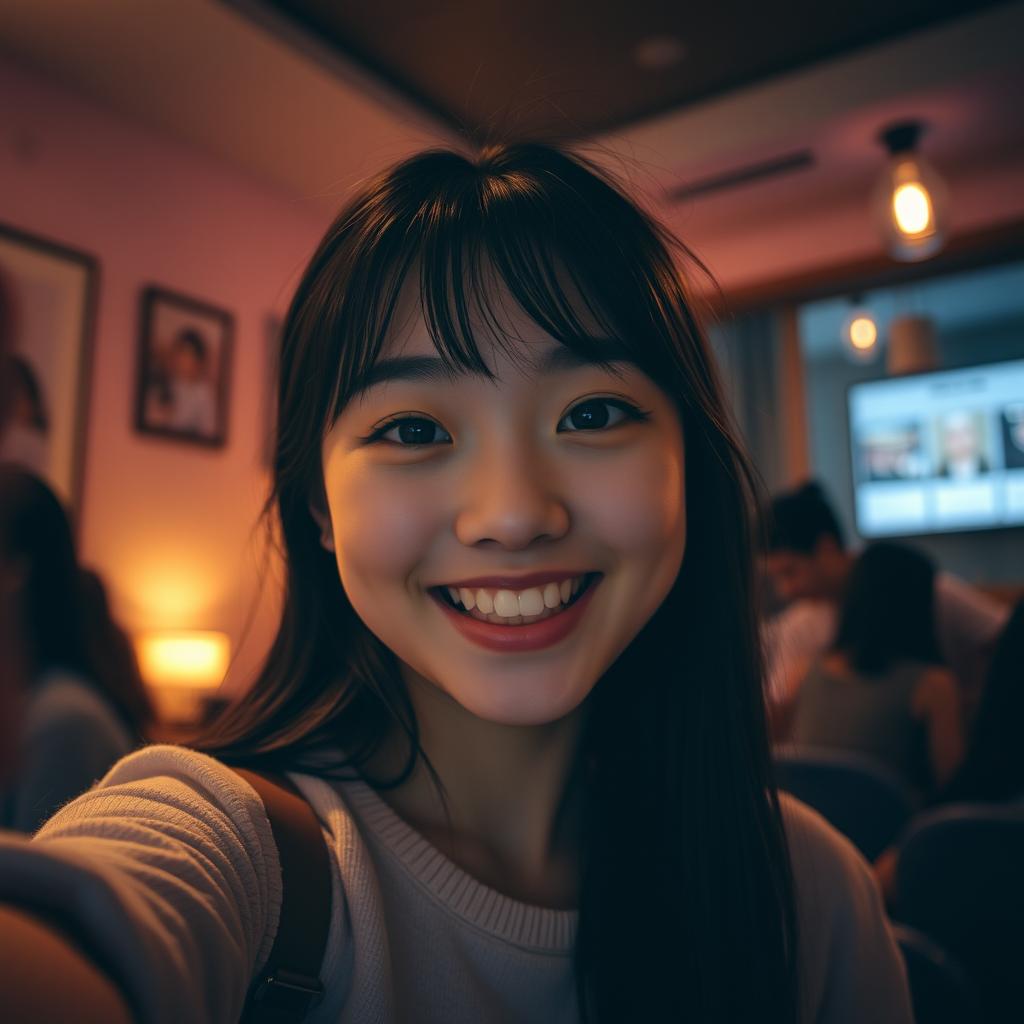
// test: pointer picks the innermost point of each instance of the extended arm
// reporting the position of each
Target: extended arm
(46, 978)
(167, 875)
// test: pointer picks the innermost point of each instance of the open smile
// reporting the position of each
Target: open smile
(518, 634)
(516, 608)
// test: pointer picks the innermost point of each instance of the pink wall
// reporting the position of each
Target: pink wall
(167, 524)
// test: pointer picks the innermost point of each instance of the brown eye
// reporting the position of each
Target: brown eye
(593, 414)
(413, 432)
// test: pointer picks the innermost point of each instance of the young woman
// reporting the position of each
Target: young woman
(76, 718)
(517, 673)
(882, 690)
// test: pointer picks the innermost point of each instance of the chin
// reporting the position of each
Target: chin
(521, 709)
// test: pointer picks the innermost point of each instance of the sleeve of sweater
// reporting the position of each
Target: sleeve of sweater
(851, 966)
(169, 870)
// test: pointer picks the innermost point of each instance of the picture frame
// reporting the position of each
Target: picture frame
(51, 292)
(185, 359)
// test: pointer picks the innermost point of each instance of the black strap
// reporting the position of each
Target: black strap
(289, 985)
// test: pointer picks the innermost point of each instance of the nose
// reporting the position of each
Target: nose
(511, 497)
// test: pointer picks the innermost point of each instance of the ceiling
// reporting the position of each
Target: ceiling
(574, 68)
(244, 81)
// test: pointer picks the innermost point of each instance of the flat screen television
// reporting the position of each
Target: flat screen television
(938, 452)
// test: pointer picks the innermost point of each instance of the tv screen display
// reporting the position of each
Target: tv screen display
(938, 452)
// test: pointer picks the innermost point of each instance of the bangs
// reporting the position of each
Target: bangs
(476, 238)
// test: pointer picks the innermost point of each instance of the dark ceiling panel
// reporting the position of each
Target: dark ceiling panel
(567, 69)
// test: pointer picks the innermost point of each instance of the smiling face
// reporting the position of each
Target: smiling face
(530, 472)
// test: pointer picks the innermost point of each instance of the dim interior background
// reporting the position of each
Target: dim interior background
(201, 149)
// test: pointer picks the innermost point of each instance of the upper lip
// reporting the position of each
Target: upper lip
(533, 579)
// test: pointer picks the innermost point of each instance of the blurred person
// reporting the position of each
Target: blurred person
(184, 397)
(26, 438)
(992, 770)
(809, 564)
(882, 690)
(1012, 421)
(961, 446)
(113, 658)
(71, 732)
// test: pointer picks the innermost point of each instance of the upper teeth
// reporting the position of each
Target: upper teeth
(510, 603)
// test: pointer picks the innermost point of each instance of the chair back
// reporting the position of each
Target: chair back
(960, 879)
(939, 989)
(860, 797)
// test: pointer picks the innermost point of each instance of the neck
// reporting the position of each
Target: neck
(512, 796)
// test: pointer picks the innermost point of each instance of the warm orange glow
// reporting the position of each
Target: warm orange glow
(912, 208)
(196, 659)
(863, 333)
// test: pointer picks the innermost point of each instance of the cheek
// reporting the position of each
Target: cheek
(382, 528)
(638, 504)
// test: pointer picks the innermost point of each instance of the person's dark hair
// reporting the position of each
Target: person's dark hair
(993, 768)
(23, 383)
(888, 610)
(800, 518)
(114, 664)
(35, 533)
(7, 331)
(189, 337)
(687, 905)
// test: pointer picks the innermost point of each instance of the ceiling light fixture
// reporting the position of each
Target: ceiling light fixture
(910, 199)
(860, 332)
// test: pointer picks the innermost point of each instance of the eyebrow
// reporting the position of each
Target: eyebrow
(604, 352)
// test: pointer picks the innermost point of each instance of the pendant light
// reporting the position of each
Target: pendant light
(860, 332)
(910, 199)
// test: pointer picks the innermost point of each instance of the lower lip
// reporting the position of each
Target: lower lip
(513, 639)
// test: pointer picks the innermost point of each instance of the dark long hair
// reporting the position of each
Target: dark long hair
(993, 768)
(61, 612)
(687, 907)
(112, 656)
(35, 531)
(888, 610)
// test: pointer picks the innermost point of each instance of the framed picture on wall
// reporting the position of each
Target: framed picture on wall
(184, 368)
(48, 305)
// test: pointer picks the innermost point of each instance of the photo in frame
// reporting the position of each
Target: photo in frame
(49, 294)
(185, 350)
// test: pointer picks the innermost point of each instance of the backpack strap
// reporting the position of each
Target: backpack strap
(289, 985)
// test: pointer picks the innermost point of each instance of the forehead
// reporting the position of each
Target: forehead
(507, 339)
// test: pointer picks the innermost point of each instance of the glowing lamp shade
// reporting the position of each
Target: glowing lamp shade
(193, 659)
(912, 209)
(910, 199)
(863, 333)
(860, 335)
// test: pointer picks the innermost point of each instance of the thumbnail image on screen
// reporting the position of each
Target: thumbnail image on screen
(893, 452)
(1013, 435)
(939, 451)
(963, 445)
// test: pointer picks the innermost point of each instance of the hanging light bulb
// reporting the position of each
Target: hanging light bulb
(910, 199)
(860, 332)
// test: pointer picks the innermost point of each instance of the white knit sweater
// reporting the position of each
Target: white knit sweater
(169, 865)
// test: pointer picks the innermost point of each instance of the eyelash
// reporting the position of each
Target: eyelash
(631, 411)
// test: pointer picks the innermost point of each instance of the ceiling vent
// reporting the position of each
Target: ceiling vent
(788, 164)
